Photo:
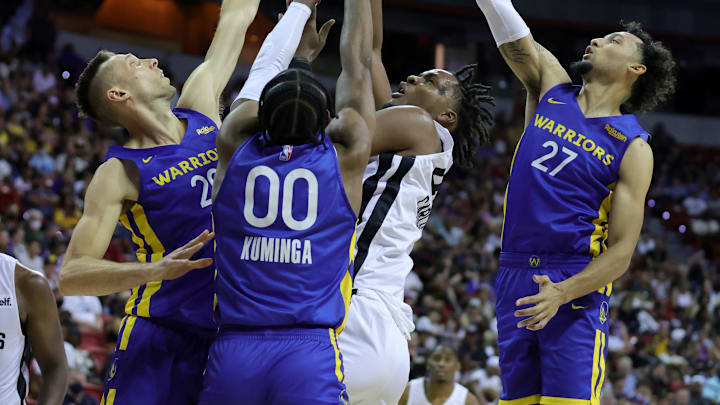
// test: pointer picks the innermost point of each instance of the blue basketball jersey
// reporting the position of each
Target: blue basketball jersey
(173, 207)
(284, 232)
(562, 177)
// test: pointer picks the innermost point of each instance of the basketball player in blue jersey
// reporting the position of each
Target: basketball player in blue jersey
(158, 186)
(573, 206)
(287, 193)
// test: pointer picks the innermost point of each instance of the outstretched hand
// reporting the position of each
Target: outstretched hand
(178, 263)
(313, 40)
(547, 301)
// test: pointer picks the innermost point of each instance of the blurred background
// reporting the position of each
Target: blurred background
(665, 314)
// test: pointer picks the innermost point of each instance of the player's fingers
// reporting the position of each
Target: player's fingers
(526, 312)
(529, 321)
(526, 300)
(199, 238)
(189, 251)
(325, 30)
(200, 263)
(539, 325)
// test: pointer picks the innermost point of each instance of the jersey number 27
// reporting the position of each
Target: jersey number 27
(538, 163)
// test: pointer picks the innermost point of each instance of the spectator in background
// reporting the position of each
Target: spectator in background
(86, 311)
(625, 371)
(44, 79)
(31, 257)
(76, 395)
(711, 388)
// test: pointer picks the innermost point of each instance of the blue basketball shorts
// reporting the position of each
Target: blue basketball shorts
(155, 365)
(563, 363)
(275, 367)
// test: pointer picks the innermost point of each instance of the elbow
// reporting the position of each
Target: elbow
(60, 374)
(65, 281)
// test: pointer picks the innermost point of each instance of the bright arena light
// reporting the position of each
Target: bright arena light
(682, 228)
(65, 75)
(651, 203)
(666, 215)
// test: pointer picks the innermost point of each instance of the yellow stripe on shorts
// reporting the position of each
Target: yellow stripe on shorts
(129, 322)
(338, 363)
(110, 397)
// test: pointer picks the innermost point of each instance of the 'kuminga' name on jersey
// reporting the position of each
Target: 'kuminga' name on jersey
(284, 233)
(276, 250)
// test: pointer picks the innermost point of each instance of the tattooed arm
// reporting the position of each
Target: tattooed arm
(535, 66)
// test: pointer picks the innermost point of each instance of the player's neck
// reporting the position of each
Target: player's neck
(597, 99)
(438, 390)
(154, 125)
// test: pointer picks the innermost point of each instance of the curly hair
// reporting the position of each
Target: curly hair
(474, 115)
(658, 83)
(84, 86)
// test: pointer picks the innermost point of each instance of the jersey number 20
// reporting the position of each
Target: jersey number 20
(287, 200)
(538, 163)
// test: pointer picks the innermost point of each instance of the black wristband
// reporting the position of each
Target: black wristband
(301, 63)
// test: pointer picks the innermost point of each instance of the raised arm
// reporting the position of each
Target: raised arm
(276, 51)
(536, 68)
(352, 131)
(205, 85)
(380, 82)
(242, 123)
(624, 225)
(84, 272)
(42, 327)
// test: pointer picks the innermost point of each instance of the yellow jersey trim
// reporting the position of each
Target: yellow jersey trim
(147, 235)
(565, 401)
(532, 399)
(129, 323)
(346, 286)
(512, 163)
(598, 239)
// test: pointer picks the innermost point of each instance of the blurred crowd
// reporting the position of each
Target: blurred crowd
(664, 343)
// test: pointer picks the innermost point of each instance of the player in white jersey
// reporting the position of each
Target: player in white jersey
(28, 318)
(435, 119)
(440, 388)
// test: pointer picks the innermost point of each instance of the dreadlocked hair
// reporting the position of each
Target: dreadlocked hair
(474, 116)
(294, 109)
(658, 83)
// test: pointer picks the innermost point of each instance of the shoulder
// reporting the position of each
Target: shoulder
(408, 114)
(471, 399)
(639, 152)
(412, 128)
(30, 282)
(112, 181)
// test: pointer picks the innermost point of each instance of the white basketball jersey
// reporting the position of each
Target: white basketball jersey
(416, 394)
(398, 193)
(13, 344)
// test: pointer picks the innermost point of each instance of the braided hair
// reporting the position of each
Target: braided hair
(294, 109)
(473, 101)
